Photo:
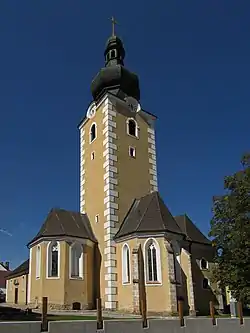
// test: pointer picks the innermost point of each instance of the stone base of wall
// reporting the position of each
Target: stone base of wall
(58, 307)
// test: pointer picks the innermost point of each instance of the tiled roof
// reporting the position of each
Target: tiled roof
(20, 270)
(148, 214)
(190, 230)
(61, 222)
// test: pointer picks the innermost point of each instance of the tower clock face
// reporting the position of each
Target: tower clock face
(91, 111)
(133, 104)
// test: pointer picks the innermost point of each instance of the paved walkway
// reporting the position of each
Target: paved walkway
(87, 313)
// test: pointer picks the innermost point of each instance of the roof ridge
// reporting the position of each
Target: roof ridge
(144, 211)
(158, 203)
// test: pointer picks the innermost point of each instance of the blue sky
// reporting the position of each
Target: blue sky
(192, 58)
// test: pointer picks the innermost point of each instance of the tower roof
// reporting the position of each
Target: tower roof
(148, 214)
(114, 77)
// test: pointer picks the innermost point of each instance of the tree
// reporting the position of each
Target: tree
(230, 230)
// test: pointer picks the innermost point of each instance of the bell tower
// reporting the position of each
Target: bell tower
(117, 159)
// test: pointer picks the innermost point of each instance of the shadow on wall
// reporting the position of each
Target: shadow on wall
(97, 275)
(202, 295)
(181, 293)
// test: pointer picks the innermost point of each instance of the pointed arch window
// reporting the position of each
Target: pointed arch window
(76, 261)
(38, 261)
(126, 278)
(203, 264)
(53, 259)
(132, 128)
(93, 132)
(153, 262)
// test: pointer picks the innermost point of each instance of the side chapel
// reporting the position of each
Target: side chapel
(79, 256)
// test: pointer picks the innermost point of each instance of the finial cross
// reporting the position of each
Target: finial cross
(114, 22)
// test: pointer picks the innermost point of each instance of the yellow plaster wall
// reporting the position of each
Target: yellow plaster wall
(94, 184)
(63, 290)
(158, 296)
(20, 283)
(134, 177)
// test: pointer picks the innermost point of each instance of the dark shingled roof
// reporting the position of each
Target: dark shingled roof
(190, 230)
(148, 214)
(61, 222)
(20, 270)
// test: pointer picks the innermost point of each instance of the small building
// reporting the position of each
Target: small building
(17, 284)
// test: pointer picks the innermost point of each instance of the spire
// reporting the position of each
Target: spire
(114, 52)
(114, 77)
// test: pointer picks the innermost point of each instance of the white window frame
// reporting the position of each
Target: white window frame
(126, 265)
(97, 218)
(49, 261)
(206, 264)
(158, 263)
(136, 128)
(93, 124)
(134, 152)
(80, 263)
(92, 155)
(38, 262)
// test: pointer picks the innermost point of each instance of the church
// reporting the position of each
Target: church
(77, 257)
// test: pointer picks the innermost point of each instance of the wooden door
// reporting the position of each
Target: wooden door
(16, 295)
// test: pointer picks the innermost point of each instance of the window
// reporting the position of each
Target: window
(112, 54)
(76, 261)
(38, 261)
(131, 152)
(92, 155)
(53, 261)
(203, 264)
(205, 283)
(152, 261)
(132, 128)
(125, 264)
(96, 218)
(92, 132)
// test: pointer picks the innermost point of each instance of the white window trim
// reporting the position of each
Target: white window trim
(47, 261)
(38, 262)
(124, 266)
(97, 218)
(81, 268)
(204, 269)
(133, 156)
(92, 154)
(158, 262)
(94, 123)
(136, 128)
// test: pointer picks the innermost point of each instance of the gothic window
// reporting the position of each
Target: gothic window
(203, 264)
(205, 283)
(152, 261)
(38, 261)
(53, 261)
(76, 261)
(92, 132)
(125, 264)
(132, 128)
